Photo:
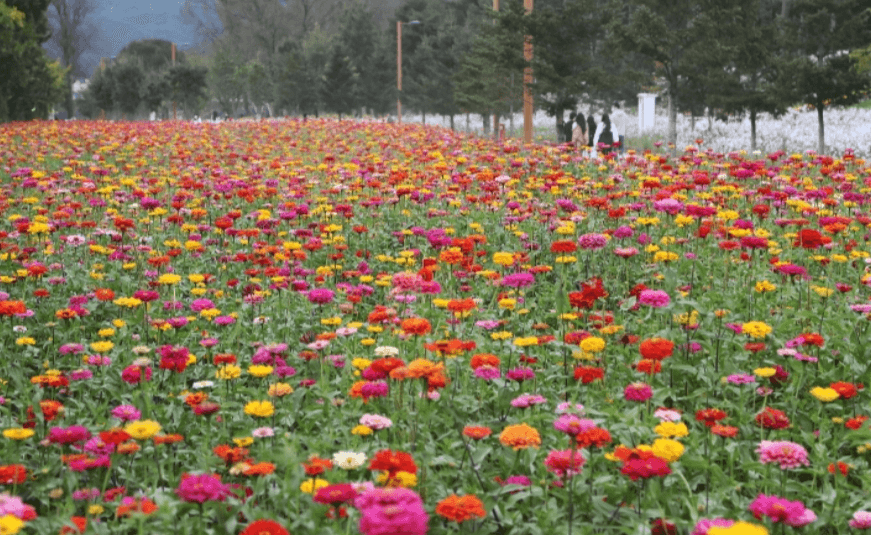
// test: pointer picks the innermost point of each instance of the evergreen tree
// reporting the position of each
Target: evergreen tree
(821, 35)
(187, 84)
(128, 80)
(339, 83)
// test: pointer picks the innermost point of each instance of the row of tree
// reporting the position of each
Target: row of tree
(144, 78)
(704, 56)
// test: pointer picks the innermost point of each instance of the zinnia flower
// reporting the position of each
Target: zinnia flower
(461, 508)
(202, 488)
(391, 511)
(791, 513)
(638, 392)
(520, 436)
(786, 454)
(264, 527)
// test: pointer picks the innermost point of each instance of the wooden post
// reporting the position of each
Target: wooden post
(527, 81)
(495, 114)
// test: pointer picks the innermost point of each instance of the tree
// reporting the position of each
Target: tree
(489, 76)
(225, 80)
(663, 32)
(128, 80)
(203, 16)
(187, 86)
(823, 73)
(339, 82)
(73, 34)
(31, 84)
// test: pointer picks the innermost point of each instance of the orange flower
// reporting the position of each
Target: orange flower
(260, 469)
(451, 256)
(421, 368)
(461, 305)
(484, 359)
(416, 326)
(128, 448)
(520, 436)
(10, 308)
(166, 439)
(131, 505)
(104, 294)
(477, 432)
(460, 509)
(196, 398)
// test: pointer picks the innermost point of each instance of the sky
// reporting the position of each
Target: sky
(124, 21)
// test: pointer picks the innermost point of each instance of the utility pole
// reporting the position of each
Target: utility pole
(527, 81)
(495, 114)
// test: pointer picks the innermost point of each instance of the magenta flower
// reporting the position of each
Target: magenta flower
(654, 298)
(126, 413)
(487, 373)
(861, 520)
(320, 296)
(202, 488)
(391, 511)
(572, 424)
(563, 463)
(520, 374)
(782, 510)
(68, 435)
(592, 242)
(518, 280)
(638, 392)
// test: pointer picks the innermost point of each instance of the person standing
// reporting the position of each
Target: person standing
(619, 120)
(579, 133)
(568, 128)
(605, 135)
(591, 129)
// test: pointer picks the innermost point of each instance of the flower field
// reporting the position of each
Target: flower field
(352, 327)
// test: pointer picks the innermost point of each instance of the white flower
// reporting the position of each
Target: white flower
(376, 421)
(667, 415)
(386, 351)
(349, 460)
(263, 432)
(199, 385)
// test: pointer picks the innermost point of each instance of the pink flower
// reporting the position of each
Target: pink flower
(782, 510)
(704, 524)
(572, 424)
(592, 242)
(654, 298)
(392, 511)
(202, 488)
(638, 392)
(564, 463)
(68, 435)
(126, 413)
(320, 296)
(786, 454)
(861, 520)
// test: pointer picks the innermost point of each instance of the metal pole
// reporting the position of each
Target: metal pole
(173, 64)
(399, 72)
(527, 81)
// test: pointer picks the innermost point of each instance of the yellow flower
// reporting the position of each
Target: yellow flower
(260, 409)
(259, 370)
(228, 372)
(525, 341)
(142, 429)
(665, 256)
(501, 335)
(507, 303)
(102, 347)
(9, 525)
(825, 394)
(169, 278)
(593, 344)
(400, 479)
(310, 486)
(18, 433)
(671, 429)
(243, 442)
(764, 372)
(756, 329)
(668, 450)
(822, 291)
(361, 430)
(503, 259)
(360, 363)
(119, 323)
(129, 302)
(764, 286)
(25, 341)
(95, 510)
(280, 390)
(739, 528)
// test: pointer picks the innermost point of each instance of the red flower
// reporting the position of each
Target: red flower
(338, 493)
(393, 462)
(649, 367)
(843, 468)
(725, 431)
(656, 348)
(810, 239)
(316, 466)
(264, 527)
(13, 474)
(114, 436)
(856, 423)
(710, 416)
(772, 419)
(588, 374)
(80, 524)
(595, 436)
(644, 465)
(846, 390)
(660, 526)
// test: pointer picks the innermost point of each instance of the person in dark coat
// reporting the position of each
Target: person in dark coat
(567, 128)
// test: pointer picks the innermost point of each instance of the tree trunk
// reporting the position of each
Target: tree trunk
(485, 119)
(753, 130)
(423, 115)
(672, 118)
(559, 126)
(452, 122)
(822, 128)
(468, 125)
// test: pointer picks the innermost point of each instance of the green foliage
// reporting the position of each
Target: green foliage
(187, 86)
(31, 84)
(128, 81)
